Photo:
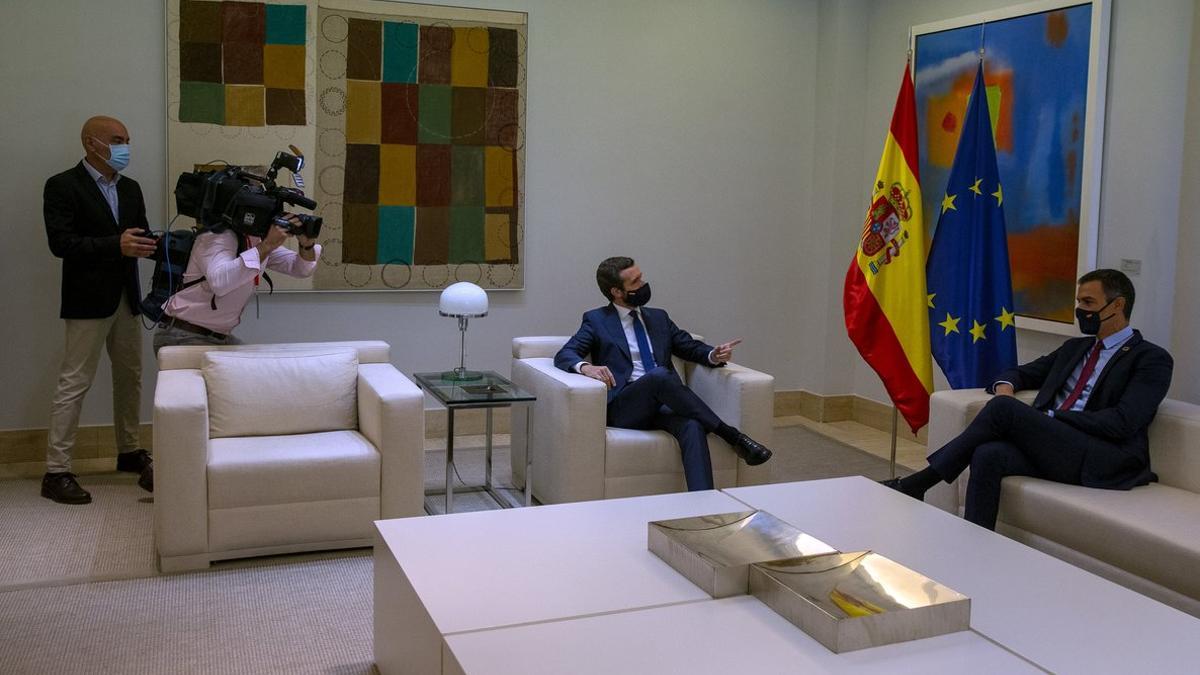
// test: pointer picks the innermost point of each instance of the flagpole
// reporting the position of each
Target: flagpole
(895, 422)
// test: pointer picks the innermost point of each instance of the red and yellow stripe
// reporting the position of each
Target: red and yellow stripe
(885, 303)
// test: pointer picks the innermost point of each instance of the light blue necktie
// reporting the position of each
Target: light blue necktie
(639, 332)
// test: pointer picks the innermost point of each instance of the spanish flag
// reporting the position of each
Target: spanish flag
(884, 297)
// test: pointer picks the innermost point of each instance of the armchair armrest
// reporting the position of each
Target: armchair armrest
(391, 415)
(565, 434)
(743, 398)
(949, 414)
(181, 463)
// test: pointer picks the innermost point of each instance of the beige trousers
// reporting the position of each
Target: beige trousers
(121, 333)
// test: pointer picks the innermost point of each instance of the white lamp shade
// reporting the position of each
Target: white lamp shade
(463, 299)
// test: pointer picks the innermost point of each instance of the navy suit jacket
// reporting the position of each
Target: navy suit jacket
(601, 341)
(1119, 410)
(81, 231)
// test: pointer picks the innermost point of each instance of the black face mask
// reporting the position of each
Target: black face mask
(639, 297)
(1089, 322)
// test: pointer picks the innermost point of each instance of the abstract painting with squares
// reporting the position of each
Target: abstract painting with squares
(242, 64)
(420, 149)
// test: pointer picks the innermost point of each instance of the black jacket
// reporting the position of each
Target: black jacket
(1119, 409)
(81, 231)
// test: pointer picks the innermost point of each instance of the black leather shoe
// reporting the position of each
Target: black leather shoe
(894, 483)
(146, 480)
(64, 489)
(134, 461)
(751, 451)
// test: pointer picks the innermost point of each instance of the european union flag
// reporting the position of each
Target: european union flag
(972, 329)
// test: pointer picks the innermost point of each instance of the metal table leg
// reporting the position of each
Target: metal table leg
(450, 460)
(487, 469)
(528, 454)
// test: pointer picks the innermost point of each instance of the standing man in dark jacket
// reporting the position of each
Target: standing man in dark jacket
(1088, 424)
(629, 347)
(95, 218)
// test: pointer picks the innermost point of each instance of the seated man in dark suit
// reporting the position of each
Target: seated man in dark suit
(1088, 424)
(628, 347)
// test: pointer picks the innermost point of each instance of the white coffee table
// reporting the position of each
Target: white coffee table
(443, 575)
(572, 588)
(1054, 614)
(719, 637)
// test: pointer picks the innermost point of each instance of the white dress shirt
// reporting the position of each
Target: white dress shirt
(108, 188)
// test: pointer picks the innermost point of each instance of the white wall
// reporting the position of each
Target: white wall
(1140, 202)
(675, 131)
(726, 145)
(1186, 385)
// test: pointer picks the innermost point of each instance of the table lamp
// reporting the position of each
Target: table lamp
(463, 300)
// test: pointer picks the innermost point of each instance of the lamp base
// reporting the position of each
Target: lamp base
(461, 375)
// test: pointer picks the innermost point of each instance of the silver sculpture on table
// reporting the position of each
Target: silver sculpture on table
(845, 601)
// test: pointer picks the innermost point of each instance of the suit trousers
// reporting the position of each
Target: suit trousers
(660, 400)
(1010, 438)
(121, 333)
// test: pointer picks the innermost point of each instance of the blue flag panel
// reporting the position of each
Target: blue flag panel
(972, 329)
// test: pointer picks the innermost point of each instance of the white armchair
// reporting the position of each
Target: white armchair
(577, 457)
(269, 449)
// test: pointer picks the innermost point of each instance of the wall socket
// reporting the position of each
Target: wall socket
(1131, 266)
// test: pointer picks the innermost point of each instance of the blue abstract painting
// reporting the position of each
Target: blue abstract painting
(1036, 73)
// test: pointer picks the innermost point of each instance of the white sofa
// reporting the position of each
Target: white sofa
(576, 457)
(1147, 539)
(268, 449)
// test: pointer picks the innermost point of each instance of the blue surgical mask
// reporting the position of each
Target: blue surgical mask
(118, 155)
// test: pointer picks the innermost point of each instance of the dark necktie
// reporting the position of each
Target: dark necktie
(639, 332)
(1084, 375)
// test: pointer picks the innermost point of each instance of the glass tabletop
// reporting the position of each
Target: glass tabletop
(489, 389)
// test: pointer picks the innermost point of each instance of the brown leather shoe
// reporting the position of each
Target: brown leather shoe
(64, 489)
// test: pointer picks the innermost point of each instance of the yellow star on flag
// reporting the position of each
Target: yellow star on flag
(977, 331)
(999, 194)
(975, 188)
(1006, 319)
(929, 299)
(948, 203)
(950, 324)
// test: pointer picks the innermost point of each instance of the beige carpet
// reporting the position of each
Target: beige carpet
(79, 592)
(306, 617)
(42, 542)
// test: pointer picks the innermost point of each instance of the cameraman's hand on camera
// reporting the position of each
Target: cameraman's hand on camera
(134, 245)
(274, 239)
(306, 244)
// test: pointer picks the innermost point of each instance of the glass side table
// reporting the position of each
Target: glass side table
(489, 392)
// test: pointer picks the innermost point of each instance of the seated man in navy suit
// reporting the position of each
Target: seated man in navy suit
(1088, 424)
(628, 347)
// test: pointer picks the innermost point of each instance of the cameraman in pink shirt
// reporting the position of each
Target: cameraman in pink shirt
(230, 266)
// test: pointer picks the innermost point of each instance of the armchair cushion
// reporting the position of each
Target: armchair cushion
(263, 394)
(631, 452)
(265, 470)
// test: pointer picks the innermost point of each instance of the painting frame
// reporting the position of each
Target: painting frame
(1087, 203)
